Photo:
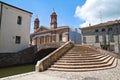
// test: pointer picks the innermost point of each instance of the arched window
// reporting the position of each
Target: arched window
(19, 20)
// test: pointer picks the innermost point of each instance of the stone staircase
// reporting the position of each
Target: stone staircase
(83, 58)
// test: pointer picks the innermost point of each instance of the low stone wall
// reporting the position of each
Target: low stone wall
(107, 52)
(102, 51)
(25, 56)
(52, 57)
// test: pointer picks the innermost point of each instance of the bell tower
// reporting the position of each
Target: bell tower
(36, 24)
(53, 23)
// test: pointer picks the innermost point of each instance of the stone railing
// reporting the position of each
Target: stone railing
(102, 51)
(52, 57)
(50, 45)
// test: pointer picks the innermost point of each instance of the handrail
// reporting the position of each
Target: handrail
(52, 57)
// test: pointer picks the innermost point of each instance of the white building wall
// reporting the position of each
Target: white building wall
(64, 39)
(10, 29)
(0, 23)
(71, 33)
(116, 43)
(75, 35)
(78, 36)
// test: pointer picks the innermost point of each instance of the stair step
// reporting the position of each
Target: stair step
(86, 69)
(81, 57)
(84, 66)
(80, 51)
(71, 53)
(87, 63)
(86, 60)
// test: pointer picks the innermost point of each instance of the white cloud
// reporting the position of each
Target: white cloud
(97, 11)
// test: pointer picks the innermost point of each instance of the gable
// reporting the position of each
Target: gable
(41, 29)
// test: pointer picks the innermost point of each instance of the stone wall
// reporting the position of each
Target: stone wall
(25, 56)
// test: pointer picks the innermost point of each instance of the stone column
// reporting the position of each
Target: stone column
(34, 41)
(53, 38)
(67, 37)
(44, 40)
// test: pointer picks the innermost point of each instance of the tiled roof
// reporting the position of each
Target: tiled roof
(15, 7)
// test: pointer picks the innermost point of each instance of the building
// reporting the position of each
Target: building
(14, 28)
(43, 35)
(105, 35)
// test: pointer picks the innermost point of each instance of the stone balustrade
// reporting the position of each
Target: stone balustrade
(102, 51)
(52, 57)
(49, 45)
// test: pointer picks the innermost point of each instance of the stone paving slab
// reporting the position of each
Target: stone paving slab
(32, 76)
(108, 74)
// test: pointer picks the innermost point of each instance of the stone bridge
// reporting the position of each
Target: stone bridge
(49, 45)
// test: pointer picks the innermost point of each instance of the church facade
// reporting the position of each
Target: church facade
(43, 35)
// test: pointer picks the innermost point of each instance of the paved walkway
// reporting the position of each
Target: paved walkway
(109, 74)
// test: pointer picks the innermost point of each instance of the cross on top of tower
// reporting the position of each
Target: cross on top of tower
(53, 13)
(53, 10)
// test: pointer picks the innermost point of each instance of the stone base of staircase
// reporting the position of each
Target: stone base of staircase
(83, 58)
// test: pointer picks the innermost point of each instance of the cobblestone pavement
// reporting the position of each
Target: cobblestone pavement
(108, 74)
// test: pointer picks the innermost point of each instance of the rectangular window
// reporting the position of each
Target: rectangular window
(103, 30)
(18, 40)
(19, 20)
(97, 39)
(60, 37)
(109, 29)
(84, 39)
(111, 38)
(104, 39)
